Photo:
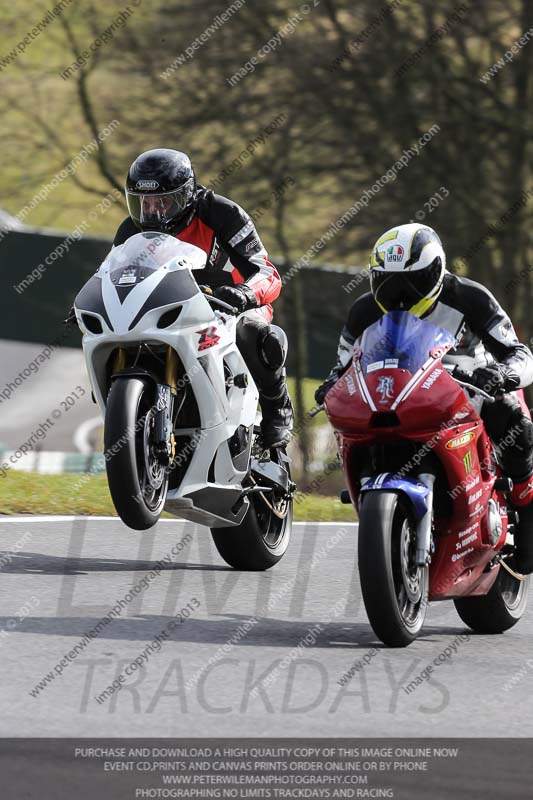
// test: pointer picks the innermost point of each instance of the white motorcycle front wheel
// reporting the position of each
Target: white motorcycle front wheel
(138, 482)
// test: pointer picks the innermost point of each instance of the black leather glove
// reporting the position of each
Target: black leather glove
(322, 391)
(496, 379)
(241, 296)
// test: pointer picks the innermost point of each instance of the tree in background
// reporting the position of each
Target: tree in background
(298, 112)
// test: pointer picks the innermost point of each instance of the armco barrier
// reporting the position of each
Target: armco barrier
(33, 307)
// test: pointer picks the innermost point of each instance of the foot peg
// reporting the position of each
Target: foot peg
(241, 380)
(345, 497)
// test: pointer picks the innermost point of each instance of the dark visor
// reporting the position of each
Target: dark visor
(157, 211)
(402, 290)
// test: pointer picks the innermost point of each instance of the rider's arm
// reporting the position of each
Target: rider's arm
(247, 253)
(345, 351)
(485, 316)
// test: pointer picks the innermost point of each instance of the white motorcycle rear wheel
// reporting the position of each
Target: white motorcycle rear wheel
(263, 536)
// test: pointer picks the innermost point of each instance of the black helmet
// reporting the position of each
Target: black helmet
(160, 189)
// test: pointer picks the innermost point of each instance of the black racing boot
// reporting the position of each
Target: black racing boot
(522, 560)
(278, 418)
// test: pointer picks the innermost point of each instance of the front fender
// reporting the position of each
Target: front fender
(415, 491)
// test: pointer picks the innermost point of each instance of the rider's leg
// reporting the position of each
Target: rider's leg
(512, 434)
(264, 352)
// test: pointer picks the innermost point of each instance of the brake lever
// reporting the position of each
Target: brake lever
(226, 307)
(223, 305)
(452, 369)
(317, 410)
(476, 390)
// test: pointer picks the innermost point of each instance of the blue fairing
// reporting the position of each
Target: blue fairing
(415, 490)
(402, 339)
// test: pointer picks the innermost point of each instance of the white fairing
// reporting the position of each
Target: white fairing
(221, 411)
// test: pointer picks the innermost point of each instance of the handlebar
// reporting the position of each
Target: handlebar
(464, 378)
(224, 306)
(212, 299)
(317, 410)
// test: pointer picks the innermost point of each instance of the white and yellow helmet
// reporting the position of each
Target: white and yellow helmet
(407, 267)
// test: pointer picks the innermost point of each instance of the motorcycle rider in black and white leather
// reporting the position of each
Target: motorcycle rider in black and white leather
(408, 271)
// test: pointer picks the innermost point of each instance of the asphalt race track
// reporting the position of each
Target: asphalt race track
(298, 628)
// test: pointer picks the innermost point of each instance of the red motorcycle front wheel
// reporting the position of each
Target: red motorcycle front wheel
(394, 589)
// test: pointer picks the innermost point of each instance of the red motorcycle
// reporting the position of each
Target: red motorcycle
(422, 473)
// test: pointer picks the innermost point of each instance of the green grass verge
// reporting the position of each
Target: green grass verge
(31, 493)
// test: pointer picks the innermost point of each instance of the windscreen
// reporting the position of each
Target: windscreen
(400, 339)
(145, 252)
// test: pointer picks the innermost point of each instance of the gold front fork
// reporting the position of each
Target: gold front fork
(171, 379)
(171, 369)
(120, 360)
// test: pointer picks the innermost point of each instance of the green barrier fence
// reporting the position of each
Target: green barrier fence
(41, 273)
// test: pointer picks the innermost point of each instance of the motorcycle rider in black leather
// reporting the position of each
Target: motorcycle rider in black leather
(162, 195)
(408, 271)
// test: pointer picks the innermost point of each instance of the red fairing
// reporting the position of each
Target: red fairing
(389, 406)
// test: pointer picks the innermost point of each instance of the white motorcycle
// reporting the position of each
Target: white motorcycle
(180, 405)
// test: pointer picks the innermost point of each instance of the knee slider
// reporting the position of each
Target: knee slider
(273, 350)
